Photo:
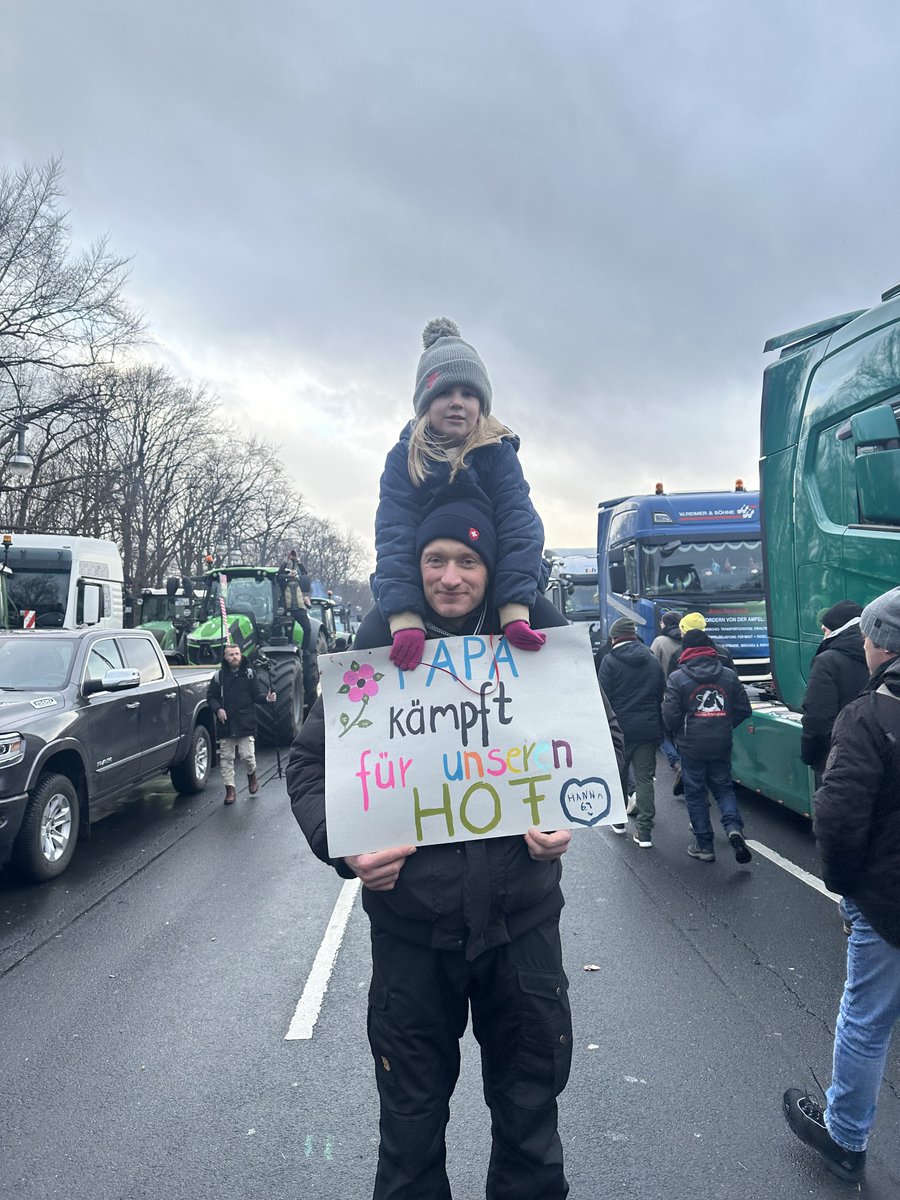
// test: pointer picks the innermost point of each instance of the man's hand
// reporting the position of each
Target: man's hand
(222, 715)
(379, 871)
(270, 698)
(407, 648)
(544, 847)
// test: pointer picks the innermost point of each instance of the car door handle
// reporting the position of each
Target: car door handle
(134, 704)
(171, 695)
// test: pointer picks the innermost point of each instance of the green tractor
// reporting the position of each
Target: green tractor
(271, 640)
(335, 622)
(170, 614)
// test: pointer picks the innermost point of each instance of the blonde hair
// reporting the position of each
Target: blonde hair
(425, 448)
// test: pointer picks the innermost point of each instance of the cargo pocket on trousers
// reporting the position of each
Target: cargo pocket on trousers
(380, 1039)
(544, 1053)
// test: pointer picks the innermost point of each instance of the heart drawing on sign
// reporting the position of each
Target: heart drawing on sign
(585, 801)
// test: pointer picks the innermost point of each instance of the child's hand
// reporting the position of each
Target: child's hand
(408, 648)
(522, 636)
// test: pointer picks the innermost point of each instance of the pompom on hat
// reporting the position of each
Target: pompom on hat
(448, 362)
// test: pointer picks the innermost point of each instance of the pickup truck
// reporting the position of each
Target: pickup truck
(85, 717)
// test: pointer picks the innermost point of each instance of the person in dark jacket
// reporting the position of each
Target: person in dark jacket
(704, 701)
(454, 439)
(458, 925)
(233, 694)
(697, 621)
(634, 684)
(836, 676)
(856, 820)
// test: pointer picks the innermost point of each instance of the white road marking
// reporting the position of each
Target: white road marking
(792, 869)
(310, 1003)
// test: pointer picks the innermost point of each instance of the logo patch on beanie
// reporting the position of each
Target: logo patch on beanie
(431, 380)
(474, 535)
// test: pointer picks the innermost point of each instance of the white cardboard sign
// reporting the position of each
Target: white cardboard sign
(481, 740)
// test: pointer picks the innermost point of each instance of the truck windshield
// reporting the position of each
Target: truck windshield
(40, 591)
(583, 598)
(701, 568)
(244, 595)
(30, 663)
(155, 608)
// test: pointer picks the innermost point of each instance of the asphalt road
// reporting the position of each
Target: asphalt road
(146, 994)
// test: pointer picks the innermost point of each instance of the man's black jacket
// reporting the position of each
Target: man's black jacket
(857, 809)
(837, 676)
(238, 692)
(634, 683)
(473, 895)
(704, 701)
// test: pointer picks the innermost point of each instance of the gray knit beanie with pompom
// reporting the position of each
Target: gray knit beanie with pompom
(448, 362)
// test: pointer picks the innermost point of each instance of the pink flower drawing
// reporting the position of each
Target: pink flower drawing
(361, 682)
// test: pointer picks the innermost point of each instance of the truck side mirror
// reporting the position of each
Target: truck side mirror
(89, 603)
(876, 436)
(617, 578)
(120, 679)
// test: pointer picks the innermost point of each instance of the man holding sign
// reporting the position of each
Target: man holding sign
(458, 924)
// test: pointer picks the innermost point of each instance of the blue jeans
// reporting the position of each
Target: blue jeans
(869, 1008)
(668, 748)
(697, 774)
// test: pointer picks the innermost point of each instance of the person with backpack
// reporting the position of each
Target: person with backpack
(233, 694)
(704, 702)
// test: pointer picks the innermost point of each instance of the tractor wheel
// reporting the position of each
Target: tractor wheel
(279, 723)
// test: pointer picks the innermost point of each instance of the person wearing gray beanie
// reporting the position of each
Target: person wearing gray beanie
(447, 362)
(880, 621)
(453, 437)
(856, 820)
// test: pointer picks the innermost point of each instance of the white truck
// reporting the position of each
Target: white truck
(63, 582)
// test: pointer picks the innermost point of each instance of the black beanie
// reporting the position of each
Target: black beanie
(669, 623)
(465, 518)
(695, 637)
(839, 614)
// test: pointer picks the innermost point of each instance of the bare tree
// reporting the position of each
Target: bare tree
(58, 309)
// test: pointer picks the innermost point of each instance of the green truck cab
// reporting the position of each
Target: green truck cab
(830, 507)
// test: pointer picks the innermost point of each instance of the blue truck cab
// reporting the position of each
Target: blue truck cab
(686, 552)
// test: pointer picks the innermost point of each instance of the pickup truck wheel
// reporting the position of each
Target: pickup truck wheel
(279, 723)
(46, 839)
(191, 775)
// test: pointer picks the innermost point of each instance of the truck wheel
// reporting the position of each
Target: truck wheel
(46, 840)
(191, 775)
(279, 723)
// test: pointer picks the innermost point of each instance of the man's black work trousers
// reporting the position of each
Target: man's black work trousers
(418, 1010)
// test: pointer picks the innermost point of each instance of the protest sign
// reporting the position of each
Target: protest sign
(481, 740)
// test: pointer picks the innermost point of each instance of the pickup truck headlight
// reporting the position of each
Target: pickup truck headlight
(12, 749)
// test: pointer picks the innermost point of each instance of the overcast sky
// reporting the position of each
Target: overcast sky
(616, 202)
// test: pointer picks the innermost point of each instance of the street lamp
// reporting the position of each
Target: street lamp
(20, 463)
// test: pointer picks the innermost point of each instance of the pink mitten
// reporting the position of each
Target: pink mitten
(523, 637)
(407, 648)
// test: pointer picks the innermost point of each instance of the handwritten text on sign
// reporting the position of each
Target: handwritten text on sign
(481, 740)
